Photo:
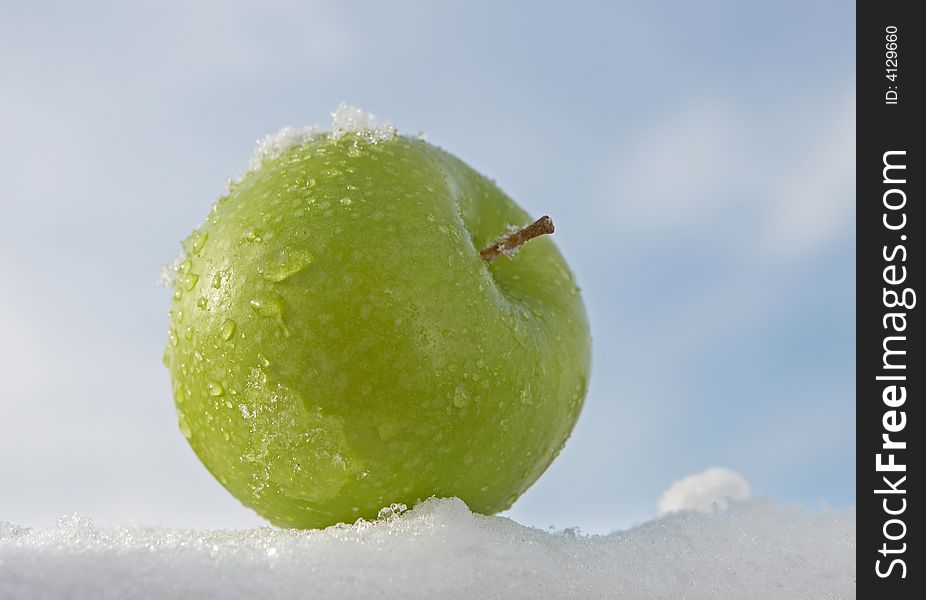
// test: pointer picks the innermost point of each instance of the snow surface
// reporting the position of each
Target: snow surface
(704, 491)
(755, 549)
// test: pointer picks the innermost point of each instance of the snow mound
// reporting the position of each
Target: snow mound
(169, 271)
(756, 549)
(272, 146)
(344, 119)
(704, 491)
(350, 119)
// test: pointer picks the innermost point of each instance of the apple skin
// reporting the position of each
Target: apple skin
(337, 344)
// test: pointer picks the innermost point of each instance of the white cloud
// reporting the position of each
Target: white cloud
(761, 191)
(715, 487)
(668, 178)
(812, 202)
(771, 178)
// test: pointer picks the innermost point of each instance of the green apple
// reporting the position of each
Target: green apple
(340, 340)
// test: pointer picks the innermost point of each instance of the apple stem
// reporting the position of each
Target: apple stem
(511, 242)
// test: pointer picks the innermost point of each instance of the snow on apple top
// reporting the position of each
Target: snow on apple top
(344, 119)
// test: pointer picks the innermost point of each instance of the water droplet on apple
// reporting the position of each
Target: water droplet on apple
(188, 281)
(184, 427)
(271, 307)
(215, 388)
(460, 399)
(188, 333)
(253, 236)
(227, 330)
(345, 201)
(263, 307)
(285, 264)
(197, 241)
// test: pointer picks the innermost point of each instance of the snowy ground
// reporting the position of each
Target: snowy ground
(754, 549)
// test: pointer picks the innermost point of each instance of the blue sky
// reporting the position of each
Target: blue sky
(698, 159)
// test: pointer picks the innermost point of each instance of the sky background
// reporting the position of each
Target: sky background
(698, 159)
